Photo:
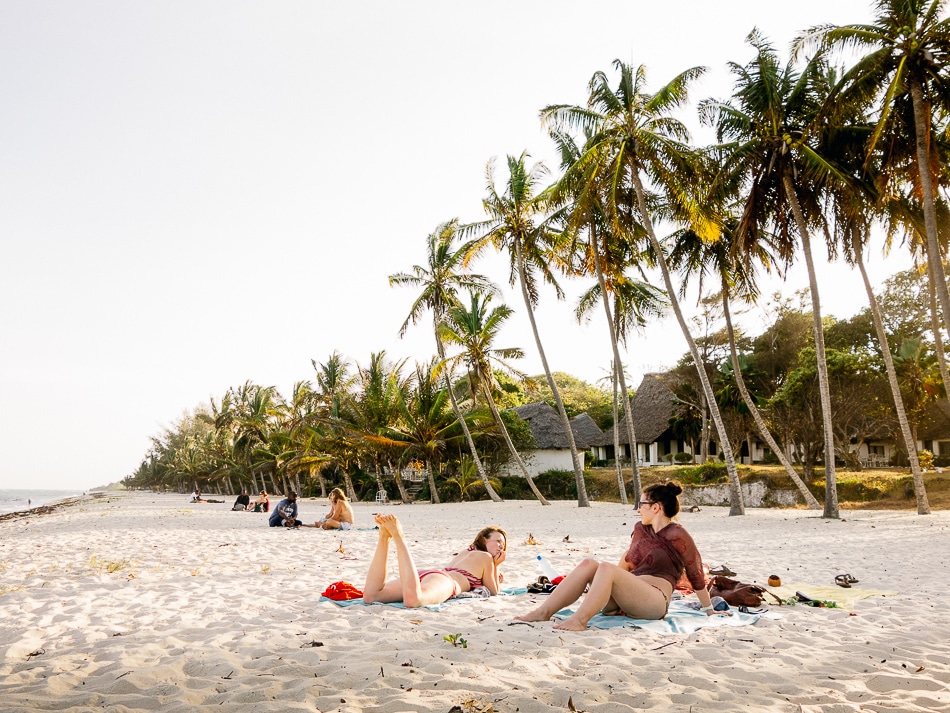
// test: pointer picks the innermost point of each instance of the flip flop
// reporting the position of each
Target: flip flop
(723, 570)
(843, 580)
(803, 598)
(851, 580)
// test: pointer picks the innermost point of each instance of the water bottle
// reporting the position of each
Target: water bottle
(547, 569)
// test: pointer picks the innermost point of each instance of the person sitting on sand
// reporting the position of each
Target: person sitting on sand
(286, 513)
(340, 516)
(642, 584)
(243, 501)
(475, 567)
(262, 504)
(196, 497)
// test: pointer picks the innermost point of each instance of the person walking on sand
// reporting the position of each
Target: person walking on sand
(340, 516)
(475, 567)
(641, 585)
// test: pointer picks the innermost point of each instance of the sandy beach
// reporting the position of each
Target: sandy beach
(146, 602)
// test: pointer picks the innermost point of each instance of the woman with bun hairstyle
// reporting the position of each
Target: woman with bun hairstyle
(641, 585)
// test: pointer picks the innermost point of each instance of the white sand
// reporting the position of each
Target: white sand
(212, 607)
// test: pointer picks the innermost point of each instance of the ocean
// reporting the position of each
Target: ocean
(13, 500)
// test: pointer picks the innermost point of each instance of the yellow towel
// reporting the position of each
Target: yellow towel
(844, 598)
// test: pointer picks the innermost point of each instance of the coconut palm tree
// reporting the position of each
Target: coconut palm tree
(441, 279)
(607, 255)
(474, 330)
(767, 152)
(516, 223)
(693, 255)
(633, 136)
(908, 52)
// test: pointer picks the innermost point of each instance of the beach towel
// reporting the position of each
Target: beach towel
(844, 598)
(680, 619)
(431, 607)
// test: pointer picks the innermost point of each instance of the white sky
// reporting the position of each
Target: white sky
(193, 194)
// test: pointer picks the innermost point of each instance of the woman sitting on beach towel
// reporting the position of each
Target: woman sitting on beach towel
(475, 567)
(642, 584)
(340, 516)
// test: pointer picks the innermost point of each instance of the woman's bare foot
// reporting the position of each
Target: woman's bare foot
(570, 625)
(533, 615)
(390, 525)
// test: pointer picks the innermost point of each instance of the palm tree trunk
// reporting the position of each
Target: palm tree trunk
(935, 262)
(923, 506)
(824, 388)
(618, 462)
(433, 491)
(320, 479)
(348, 482)
(736, 505)
(576, 458)
(618, 366)
(400, 485)
(511, 446)
(810, 500)
(379, 476)
(495, 497)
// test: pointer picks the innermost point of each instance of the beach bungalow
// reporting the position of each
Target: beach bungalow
(552, 449)
(934, 434)
(652, 408)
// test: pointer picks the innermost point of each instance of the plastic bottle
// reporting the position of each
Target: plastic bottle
(547, 569)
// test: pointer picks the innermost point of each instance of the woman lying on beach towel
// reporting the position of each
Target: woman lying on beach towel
(642, 584)
(475, 567)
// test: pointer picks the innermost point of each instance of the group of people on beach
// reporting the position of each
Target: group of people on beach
(640, 585)
(339, 517)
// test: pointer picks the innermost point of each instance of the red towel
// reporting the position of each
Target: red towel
(342, 591)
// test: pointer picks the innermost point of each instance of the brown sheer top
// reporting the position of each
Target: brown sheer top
(667, 554)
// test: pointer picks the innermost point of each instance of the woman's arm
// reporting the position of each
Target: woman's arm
(492, 579)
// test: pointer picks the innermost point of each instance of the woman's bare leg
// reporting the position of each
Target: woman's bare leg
(567, 592)
(376, 576)
(617, 587)
(408, 574)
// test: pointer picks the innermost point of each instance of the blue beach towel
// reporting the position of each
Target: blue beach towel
(680, 619)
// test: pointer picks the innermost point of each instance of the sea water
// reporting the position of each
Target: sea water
(13, 500)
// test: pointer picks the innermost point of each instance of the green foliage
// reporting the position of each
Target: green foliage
(926, 459)
(703, 474)
(456, 640)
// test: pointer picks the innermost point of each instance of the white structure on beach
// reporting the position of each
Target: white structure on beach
(552, 450)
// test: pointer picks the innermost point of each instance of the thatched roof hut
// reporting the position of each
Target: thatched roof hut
(548, 431)
(652, 408)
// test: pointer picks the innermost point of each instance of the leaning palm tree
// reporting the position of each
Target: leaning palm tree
(770, 162)
(908, 46)
(693, 255)
(441, 279)
(634, 136)
(516, 223)
(474, 330)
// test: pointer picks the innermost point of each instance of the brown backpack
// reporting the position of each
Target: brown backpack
(738, 594)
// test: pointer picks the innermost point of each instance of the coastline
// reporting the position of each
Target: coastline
(144, 601)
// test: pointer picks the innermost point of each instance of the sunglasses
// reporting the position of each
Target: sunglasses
(646, 502)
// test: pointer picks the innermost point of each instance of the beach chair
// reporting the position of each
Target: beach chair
(381, 497)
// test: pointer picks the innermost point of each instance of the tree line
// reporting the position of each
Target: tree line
(850, 133)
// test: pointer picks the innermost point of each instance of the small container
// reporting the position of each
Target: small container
(547, 569)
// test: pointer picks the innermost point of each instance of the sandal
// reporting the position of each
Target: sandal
(844, 580)
(851, 580)
(722, 570)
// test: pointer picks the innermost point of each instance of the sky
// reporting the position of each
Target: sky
(195, 194)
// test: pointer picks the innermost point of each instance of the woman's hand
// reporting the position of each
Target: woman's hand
(500, 557)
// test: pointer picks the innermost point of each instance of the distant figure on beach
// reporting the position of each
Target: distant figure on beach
(340, 516)
(642, 584)
(475, 567)
(196, 497)
(243, 501)
(262, 504)
(286, 513)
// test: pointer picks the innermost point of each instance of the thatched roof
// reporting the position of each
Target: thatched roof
(652, 408)
(548, 431)
(585, 430)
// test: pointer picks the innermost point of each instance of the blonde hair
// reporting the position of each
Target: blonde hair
(338, 494)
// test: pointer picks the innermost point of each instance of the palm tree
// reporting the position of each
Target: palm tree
(632, 135)
(516, 224)
(474, 330)
(908, 47)
(768, 157)
(691, 254)
(441, 279)
(607, 255)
